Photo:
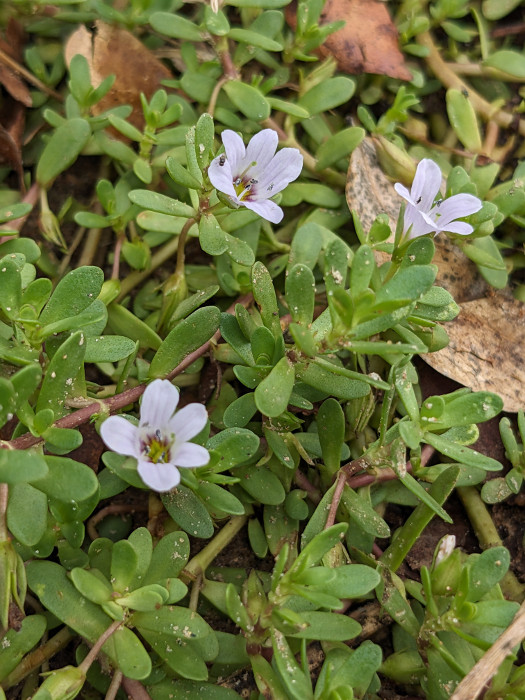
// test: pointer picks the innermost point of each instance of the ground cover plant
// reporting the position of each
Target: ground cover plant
(235, 237)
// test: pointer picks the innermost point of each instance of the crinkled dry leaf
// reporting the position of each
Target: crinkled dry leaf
(113, 51)
(12, 48)
(11, 155)
(487, 338)
(368, 190)
(369, 41)
(486, 348)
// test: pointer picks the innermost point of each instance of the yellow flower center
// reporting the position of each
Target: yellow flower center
(157, 450)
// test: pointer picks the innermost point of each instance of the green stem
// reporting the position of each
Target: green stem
(488, 536)
(332, 177)
(4, 494)
(179, 268)
(159, 258)
(222, 539)
(450, 79)
(97, 646)
(37, 657)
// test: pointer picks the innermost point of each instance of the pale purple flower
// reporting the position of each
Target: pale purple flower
(160, 442)
(250, 176)
(423, 214)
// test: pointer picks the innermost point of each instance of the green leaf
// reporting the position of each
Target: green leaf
(27, 513)
(11, 284)
(67, 480)
(273, 393)
(325, 626)
(233, 446)
(21, 466)
(461, 454)
(486, 571)
(463, 119)
(60, 381)
(95, 588)
(292, 676)
(108, 348)
(338, 146)
(180, 174)
(154, 201)
(300, 293)
(212, 238)
(246, 36)
(124, 564)
(219, 501)
(509, 62)
(122, 321)
(176, 26)
(190, 690)
(248, 100)
(188, 511)
(328, 94)
(62, 150)
(330, 382)
(262, 484)
(240, 412)
(331, 426)
(187, 336)
(363, 514)
(74, 293)
(16, 643)
(169, 557)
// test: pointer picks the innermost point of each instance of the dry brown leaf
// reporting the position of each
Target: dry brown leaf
(12, 48)
(487, 338)
(11, 155)
(368, 43)
(113, 51)
(485, 351)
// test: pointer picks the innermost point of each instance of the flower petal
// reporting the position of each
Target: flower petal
(234, 147)
(416, 223)
(427, 182)
(455, 207)
(403, 192)
(160, 477)
(221, 177)
(261, 149)
(158, 403)
(190, 455)
(285, 167)
(120, 436)
(267, 209)
(188, 422)
(460, 227)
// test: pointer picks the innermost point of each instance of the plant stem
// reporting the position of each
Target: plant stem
(159, 258)
(451, 80)
(4, 495)
(488, 536)
(198, 565)
(97, 646)
(36, 658)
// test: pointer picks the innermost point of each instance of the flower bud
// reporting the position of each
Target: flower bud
(394, 160)
(63, 684)
(110, 291)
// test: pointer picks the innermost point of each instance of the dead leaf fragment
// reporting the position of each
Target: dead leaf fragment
(369, 41)
(113, 51)
(486, 349)
(12, 49)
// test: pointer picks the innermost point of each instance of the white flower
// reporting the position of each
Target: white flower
(423, 216)
(446, 546)
(160, 442)
(250, 176)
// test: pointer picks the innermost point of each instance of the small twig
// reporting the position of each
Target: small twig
(15, 66)
(114, 686)
(450, 79)
(135, 689)
(215, 95)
